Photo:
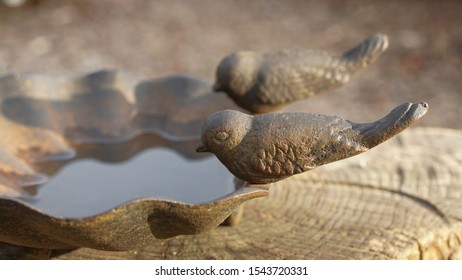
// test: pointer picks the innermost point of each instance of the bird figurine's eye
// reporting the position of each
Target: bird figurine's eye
(221, 136)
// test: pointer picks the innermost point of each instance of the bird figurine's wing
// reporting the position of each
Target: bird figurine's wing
(287, 76)
(291, 75)
(337, 141)
(326, 139)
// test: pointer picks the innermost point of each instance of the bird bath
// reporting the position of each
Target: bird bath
(107, 161)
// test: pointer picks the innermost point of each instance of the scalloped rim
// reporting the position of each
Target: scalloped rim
(134, 224)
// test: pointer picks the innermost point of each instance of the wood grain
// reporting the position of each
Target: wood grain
(401, 200)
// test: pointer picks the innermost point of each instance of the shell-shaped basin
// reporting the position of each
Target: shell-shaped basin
(66, 143)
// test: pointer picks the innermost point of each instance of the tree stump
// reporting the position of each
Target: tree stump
(400, 200)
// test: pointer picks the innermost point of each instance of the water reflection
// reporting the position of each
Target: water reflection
(102, 176)
(106, 139)
(87, 187)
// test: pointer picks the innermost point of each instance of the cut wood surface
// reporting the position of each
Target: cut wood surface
(400, 200)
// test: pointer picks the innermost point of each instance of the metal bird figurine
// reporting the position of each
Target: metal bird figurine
(262, 83)
(267, 148)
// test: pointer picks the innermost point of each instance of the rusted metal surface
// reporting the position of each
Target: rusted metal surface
(266, 82)
(267, 148)
(62, 119)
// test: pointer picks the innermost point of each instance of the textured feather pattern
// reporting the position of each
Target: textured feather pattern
(301, 74)
(290, 75)
(325, 139)
(267, 148)
(279, 160)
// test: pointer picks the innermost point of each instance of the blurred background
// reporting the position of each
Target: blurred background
(152, 39)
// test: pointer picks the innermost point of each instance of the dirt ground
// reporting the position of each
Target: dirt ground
(161, 37)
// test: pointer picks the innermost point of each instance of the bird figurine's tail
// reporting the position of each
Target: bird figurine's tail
(396, 121)
(366, 52)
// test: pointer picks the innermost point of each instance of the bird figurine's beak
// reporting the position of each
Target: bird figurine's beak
(202, 149)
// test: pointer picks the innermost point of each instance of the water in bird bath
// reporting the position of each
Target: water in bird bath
(88, 187)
